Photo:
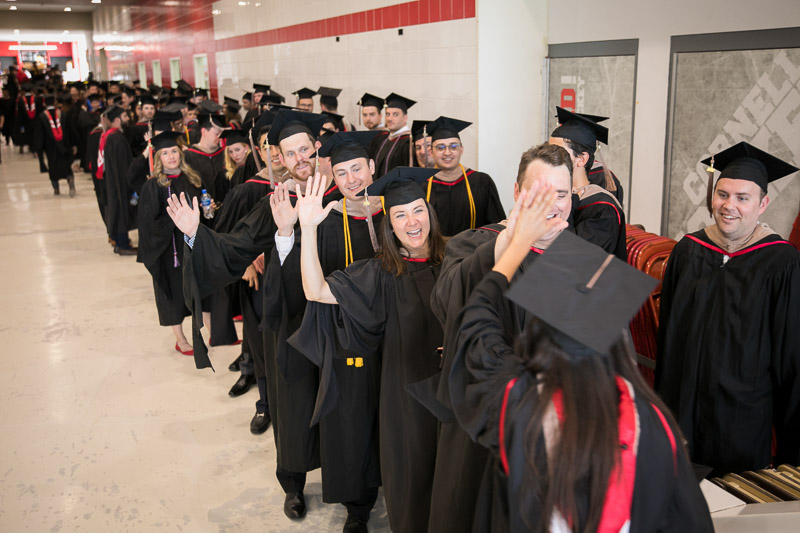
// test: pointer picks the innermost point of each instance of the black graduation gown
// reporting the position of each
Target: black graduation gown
(597, 177)
(348, 422)
(599, 219)
(239, 203)
(389, 153)
(119, 212)
(59, 153)
(135, 136)
(250, 116)
(87, 122)
(7, 109)
(451, 202)
(666, 495)
(207, 165)
(222, 185)
(92, 147)
(69, 117)
(380, 311)
(728, 361)
(468, 258)
(160, 246)
(194, 132)
(23, 123)
(137, 173)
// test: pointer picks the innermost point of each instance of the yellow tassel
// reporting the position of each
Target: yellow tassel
(349, 361)
(359, 362)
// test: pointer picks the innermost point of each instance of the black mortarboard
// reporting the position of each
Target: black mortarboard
(128, 90)
(113, 112)
(92, 83)
(305, 92)
(335, 118)
(135, 82)
(744, 161)
(147, 100)
(50, 100)
(419, 129)
(113, 83)
(370, 100)
(583, 292)
(347, 145)
(272, 97)
(94, 97)
(177, 100)
(162, 120)
(232, 104)
(446, 128)
(328, 96)
(235, 136)
(200, 92)
(153, 88)
(166, 139)
(399, 102)
(264, 119)
(401, 185)
(117, 100)
(260, 88)
(213, 120)
(174, 107)
(210, 106)
(581, 128)
(191, 105)
(184, 87)
(248, 97)
(288, 123)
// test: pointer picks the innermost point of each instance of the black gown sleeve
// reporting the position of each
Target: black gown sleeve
(494, 207)
(786, 363)
(155, 232)
(672, 274)
(484, 361)
(599, 225)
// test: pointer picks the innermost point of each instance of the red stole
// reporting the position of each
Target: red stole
(101, 152)
(55, 127)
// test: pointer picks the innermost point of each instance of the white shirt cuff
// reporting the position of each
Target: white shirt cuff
(284, 246)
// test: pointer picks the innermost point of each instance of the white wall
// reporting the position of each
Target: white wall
(653, 23)
(512, 46)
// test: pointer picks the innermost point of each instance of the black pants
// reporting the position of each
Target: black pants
(362, 506)
(291, 481)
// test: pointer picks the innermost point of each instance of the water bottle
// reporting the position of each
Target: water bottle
(134, 199)
(205, 203)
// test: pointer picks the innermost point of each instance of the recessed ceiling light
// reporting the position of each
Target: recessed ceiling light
(13, 8)
(96, 1)
(67, 9)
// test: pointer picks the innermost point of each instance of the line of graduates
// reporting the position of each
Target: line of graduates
(404, 332)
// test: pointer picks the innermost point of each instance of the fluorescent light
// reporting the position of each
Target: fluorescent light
(96, 1)
(67, 9)
(33, 47)
(13, 8)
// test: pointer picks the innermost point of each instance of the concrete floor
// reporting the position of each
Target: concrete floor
(105, 427)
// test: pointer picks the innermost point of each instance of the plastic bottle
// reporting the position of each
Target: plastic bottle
(205, 203)
(134, 199)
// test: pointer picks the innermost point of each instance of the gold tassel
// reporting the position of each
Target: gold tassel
(710, 189)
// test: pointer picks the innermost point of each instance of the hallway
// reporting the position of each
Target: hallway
(105, 427)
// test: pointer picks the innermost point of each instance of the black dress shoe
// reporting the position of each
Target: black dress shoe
(294, 506)
(126, 251)
(242, 385)
(354, 524)
(234, 367)
(259, 423)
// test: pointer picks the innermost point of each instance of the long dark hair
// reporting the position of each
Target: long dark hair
(576, 479)
(391, 258)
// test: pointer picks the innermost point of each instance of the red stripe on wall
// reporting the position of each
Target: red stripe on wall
(169, 32)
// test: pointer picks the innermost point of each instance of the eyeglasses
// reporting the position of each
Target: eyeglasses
(442, 147)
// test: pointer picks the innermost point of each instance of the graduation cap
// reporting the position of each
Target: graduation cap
(177, 100)
(260, 88)
(135, 82)
(191, 106)
(113, 112)
(370, 100)
(147, 100)
(184, 87)
(272, 97)
(305, 92)
(580, 127)
(210, 106)
(128, 90)
(335, 118)
(113, 83)
(117, 100)
(162, 120)
(166, 139)
(401, 185)
(235, 136)
(446, 128)
(288, 123)
(399, 102)
(744, 161)
(328, 96)
(264, 119)
(92, 83)
(175, 107)
(50, 100)
(586, 294)
(154, 88)
(201, 92)
(247, 96)
(419, 129)
(94, 97)
(209, 121)
(347, 145)
(232, 104)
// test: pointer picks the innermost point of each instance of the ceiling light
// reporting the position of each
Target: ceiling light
(67, 9)
(13, 8)
(33, 47)
(96, 1)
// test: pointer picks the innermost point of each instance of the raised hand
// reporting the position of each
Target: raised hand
(504, 239)
(283, 212)
(531, 223)
(309, 206)
(185, 217)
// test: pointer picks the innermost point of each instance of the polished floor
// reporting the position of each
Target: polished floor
(105, 427)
